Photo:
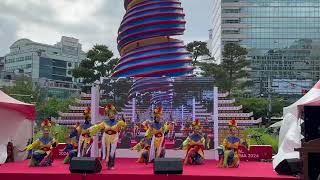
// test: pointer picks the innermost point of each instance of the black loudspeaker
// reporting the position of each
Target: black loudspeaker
(85, 165)
(310, 128)
(167, 166)
(289, 167)
(314, 165)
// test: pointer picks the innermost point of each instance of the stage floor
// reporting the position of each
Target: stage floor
(128, 169)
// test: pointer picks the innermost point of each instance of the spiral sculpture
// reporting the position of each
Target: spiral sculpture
(148, 51)
(144, 41)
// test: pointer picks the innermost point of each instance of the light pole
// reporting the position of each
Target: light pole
(269, 99)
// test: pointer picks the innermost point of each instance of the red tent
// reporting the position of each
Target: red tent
(313, 100)
(290, 132)
(7, 102)
(16, 122)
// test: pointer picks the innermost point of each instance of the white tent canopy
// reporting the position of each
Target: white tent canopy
(290, 131)
(16, 121)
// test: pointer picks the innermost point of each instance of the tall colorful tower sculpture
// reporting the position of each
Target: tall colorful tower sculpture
(148, 51)
(145, 41)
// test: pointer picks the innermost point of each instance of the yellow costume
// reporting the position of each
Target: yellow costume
(110, 136)
(194, 145)
(156, 133)
(41, 155)
(229, 150)
(85, 139)
(144, 147)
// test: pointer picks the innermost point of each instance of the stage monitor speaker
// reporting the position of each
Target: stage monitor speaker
(310, 128)
(167, 166)
(85, 165)
(289, 167)
(314, 165)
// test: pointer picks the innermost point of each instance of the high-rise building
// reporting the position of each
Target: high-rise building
(282, 37)
(48, 65)
(1, 63)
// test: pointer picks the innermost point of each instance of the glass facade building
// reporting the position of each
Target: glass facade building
(52, 64)
(282, 37)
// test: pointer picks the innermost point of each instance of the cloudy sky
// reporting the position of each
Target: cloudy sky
(91, 21)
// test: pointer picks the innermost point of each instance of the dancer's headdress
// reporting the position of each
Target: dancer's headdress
(86, 113)
(77, 125)
(46, 125)
(110, 109)
(145, 124)
(196, 124)
(232, 123)
(157, 112)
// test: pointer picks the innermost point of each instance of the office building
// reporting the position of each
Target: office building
(1, 64)
(282, 38)
(49, 65)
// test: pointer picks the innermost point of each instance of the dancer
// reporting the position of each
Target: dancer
(41, 148)
(144, 147)
(194, 145)
(85, 139)
(171, 133)
(156, 133)
(229, 150)
(71, 149)
(136, 130)
(146, 125)
(112, 128)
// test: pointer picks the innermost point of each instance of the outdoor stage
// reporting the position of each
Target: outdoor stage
(128, 169)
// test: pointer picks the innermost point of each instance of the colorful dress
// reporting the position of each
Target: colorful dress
(71, 148)
(144, 147)
(85, 139)
(171, 131)
(156, 133)
(41, 151)
(110, 138)
(194, 145)
(229, 152)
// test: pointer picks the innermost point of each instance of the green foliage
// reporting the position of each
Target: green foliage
(24, 90)
(259, 106)
(52, 106)
(231, 74)
(99, 63)
(265, 138)
(233, 63)
(198, 49)
(58, 132)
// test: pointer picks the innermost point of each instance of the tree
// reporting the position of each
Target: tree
(233, 62)
(52, 106)
(231, 73)
(216, 71)
(259, 106)
(24, 90)
(199, 49)
(99, 63)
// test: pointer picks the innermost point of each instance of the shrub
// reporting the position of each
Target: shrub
(262, 137)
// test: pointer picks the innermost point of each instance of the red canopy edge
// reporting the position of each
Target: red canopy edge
(314, 102)
(29, 111)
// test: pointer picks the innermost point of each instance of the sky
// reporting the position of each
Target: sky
(90, 21)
